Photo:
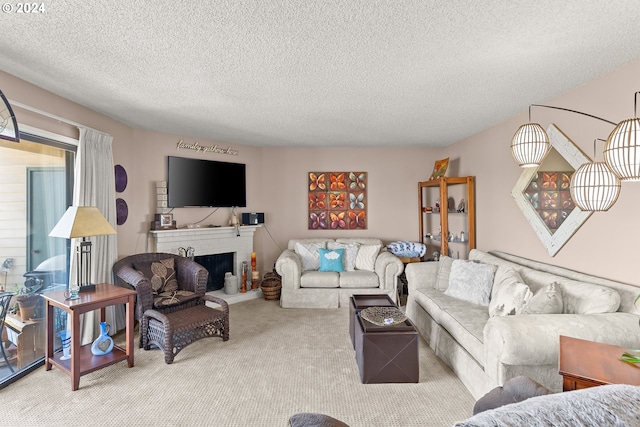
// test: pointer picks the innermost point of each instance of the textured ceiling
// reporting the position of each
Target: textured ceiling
(317, 73)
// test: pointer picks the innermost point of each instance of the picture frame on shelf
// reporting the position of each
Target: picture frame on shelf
(166, 220)
(163, 221)
(439, 168)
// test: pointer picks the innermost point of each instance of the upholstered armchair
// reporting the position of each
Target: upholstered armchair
(165, 282)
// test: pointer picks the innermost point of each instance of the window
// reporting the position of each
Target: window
(36, 186)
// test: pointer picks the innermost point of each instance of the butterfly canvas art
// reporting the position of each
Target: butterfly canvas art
(337, 200)
(549, 194)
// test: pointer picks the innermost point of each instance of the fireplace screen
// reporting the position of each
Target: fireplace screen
(216, 265)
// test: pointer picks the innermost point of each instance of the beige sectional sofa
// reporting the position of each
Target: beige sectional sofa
(531, 305)
(367, 269)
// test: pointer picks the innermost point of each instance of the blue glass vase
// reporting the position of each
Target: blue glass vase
(104, 343)
(65, 339)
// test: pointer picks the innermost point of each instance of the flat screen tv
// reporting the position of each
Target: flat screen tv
(205, 183)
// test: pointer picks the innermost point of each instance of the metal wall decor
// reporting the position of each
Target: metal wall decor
(337, 200)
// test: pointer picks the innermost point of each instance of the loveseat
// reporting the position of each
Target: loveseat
(498, 316)
(324, 273)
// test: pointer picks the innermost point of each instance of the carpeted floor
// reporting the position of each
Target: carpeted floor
(277, 362)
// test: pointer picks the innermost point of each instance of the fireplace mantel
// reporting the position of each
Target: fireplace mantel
(208, 241)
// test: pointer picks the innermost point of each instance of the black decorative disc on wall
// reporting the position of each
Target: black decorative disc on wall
(121, 178)
(122, 211)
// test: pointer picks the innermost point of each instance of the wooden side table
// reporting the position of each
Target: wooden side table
(82, 360)
(586, 364)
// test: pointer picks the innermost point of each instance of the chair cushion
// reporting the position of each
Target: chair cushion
(359, 279)
(318, 279)
(161, 274)
(168, 299)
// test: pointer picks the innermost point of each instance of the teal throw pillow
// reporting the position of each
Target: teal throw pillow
(331, 260)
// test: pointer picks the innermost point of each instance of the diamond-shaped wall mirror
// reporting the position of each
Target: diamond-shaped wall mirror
(8, 124)
(542, 193)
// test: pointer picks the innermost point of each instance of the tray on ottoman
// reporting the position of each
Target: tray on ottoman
(174, 331)
(360, 302)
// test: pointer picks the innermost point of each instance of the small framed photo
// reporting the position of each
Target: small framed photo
(439, 168)
(166, 220)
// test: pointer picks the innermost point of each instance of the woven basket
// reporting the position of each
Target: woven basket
(271, 285)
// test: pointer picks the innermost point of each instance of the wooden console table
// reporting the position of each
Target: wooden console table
(586, 364)
(82, 360)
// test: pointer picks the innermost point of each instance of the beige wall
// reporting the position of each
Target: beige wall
(393, 175)
(605, 245)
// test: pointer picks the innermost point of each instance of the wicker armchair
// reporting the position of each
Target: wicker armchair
(171, 323)
(191, 276)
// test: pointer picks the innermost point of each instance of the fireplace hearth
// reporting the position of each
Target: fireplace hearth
(208, 242)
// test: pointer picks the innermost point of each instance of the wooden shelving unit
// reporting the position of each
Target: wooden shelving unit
(428, 193)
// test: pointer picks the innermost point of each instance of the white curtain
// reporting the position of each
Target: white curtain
(94, 185)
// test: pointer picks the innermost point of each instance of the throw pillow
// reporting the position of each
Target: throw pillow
(367, 255)
(407, 249)
(546, 301)
(309, 254)
(161, 274)
(167, 299)
(331, 260)
(471, 281)
(587, 298)
(444, 270)
(349, 255)
(509, 293)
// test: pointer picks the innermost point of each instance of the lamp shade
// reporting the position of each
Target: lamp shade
(82, 221)
(594, 187)
(530, 145)
(622, 150)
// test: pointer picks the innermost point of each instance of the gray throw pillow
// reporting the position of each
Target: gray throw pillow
(546, 301)
(471, 281)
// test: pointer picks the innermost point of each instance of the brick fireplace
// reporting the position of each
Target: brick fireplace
(208, 241)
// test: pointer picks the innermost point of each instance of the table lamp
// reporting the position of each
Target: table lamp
(82, 221)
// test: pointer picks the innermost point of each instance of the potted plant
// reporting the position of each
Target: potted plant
(27, 297)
